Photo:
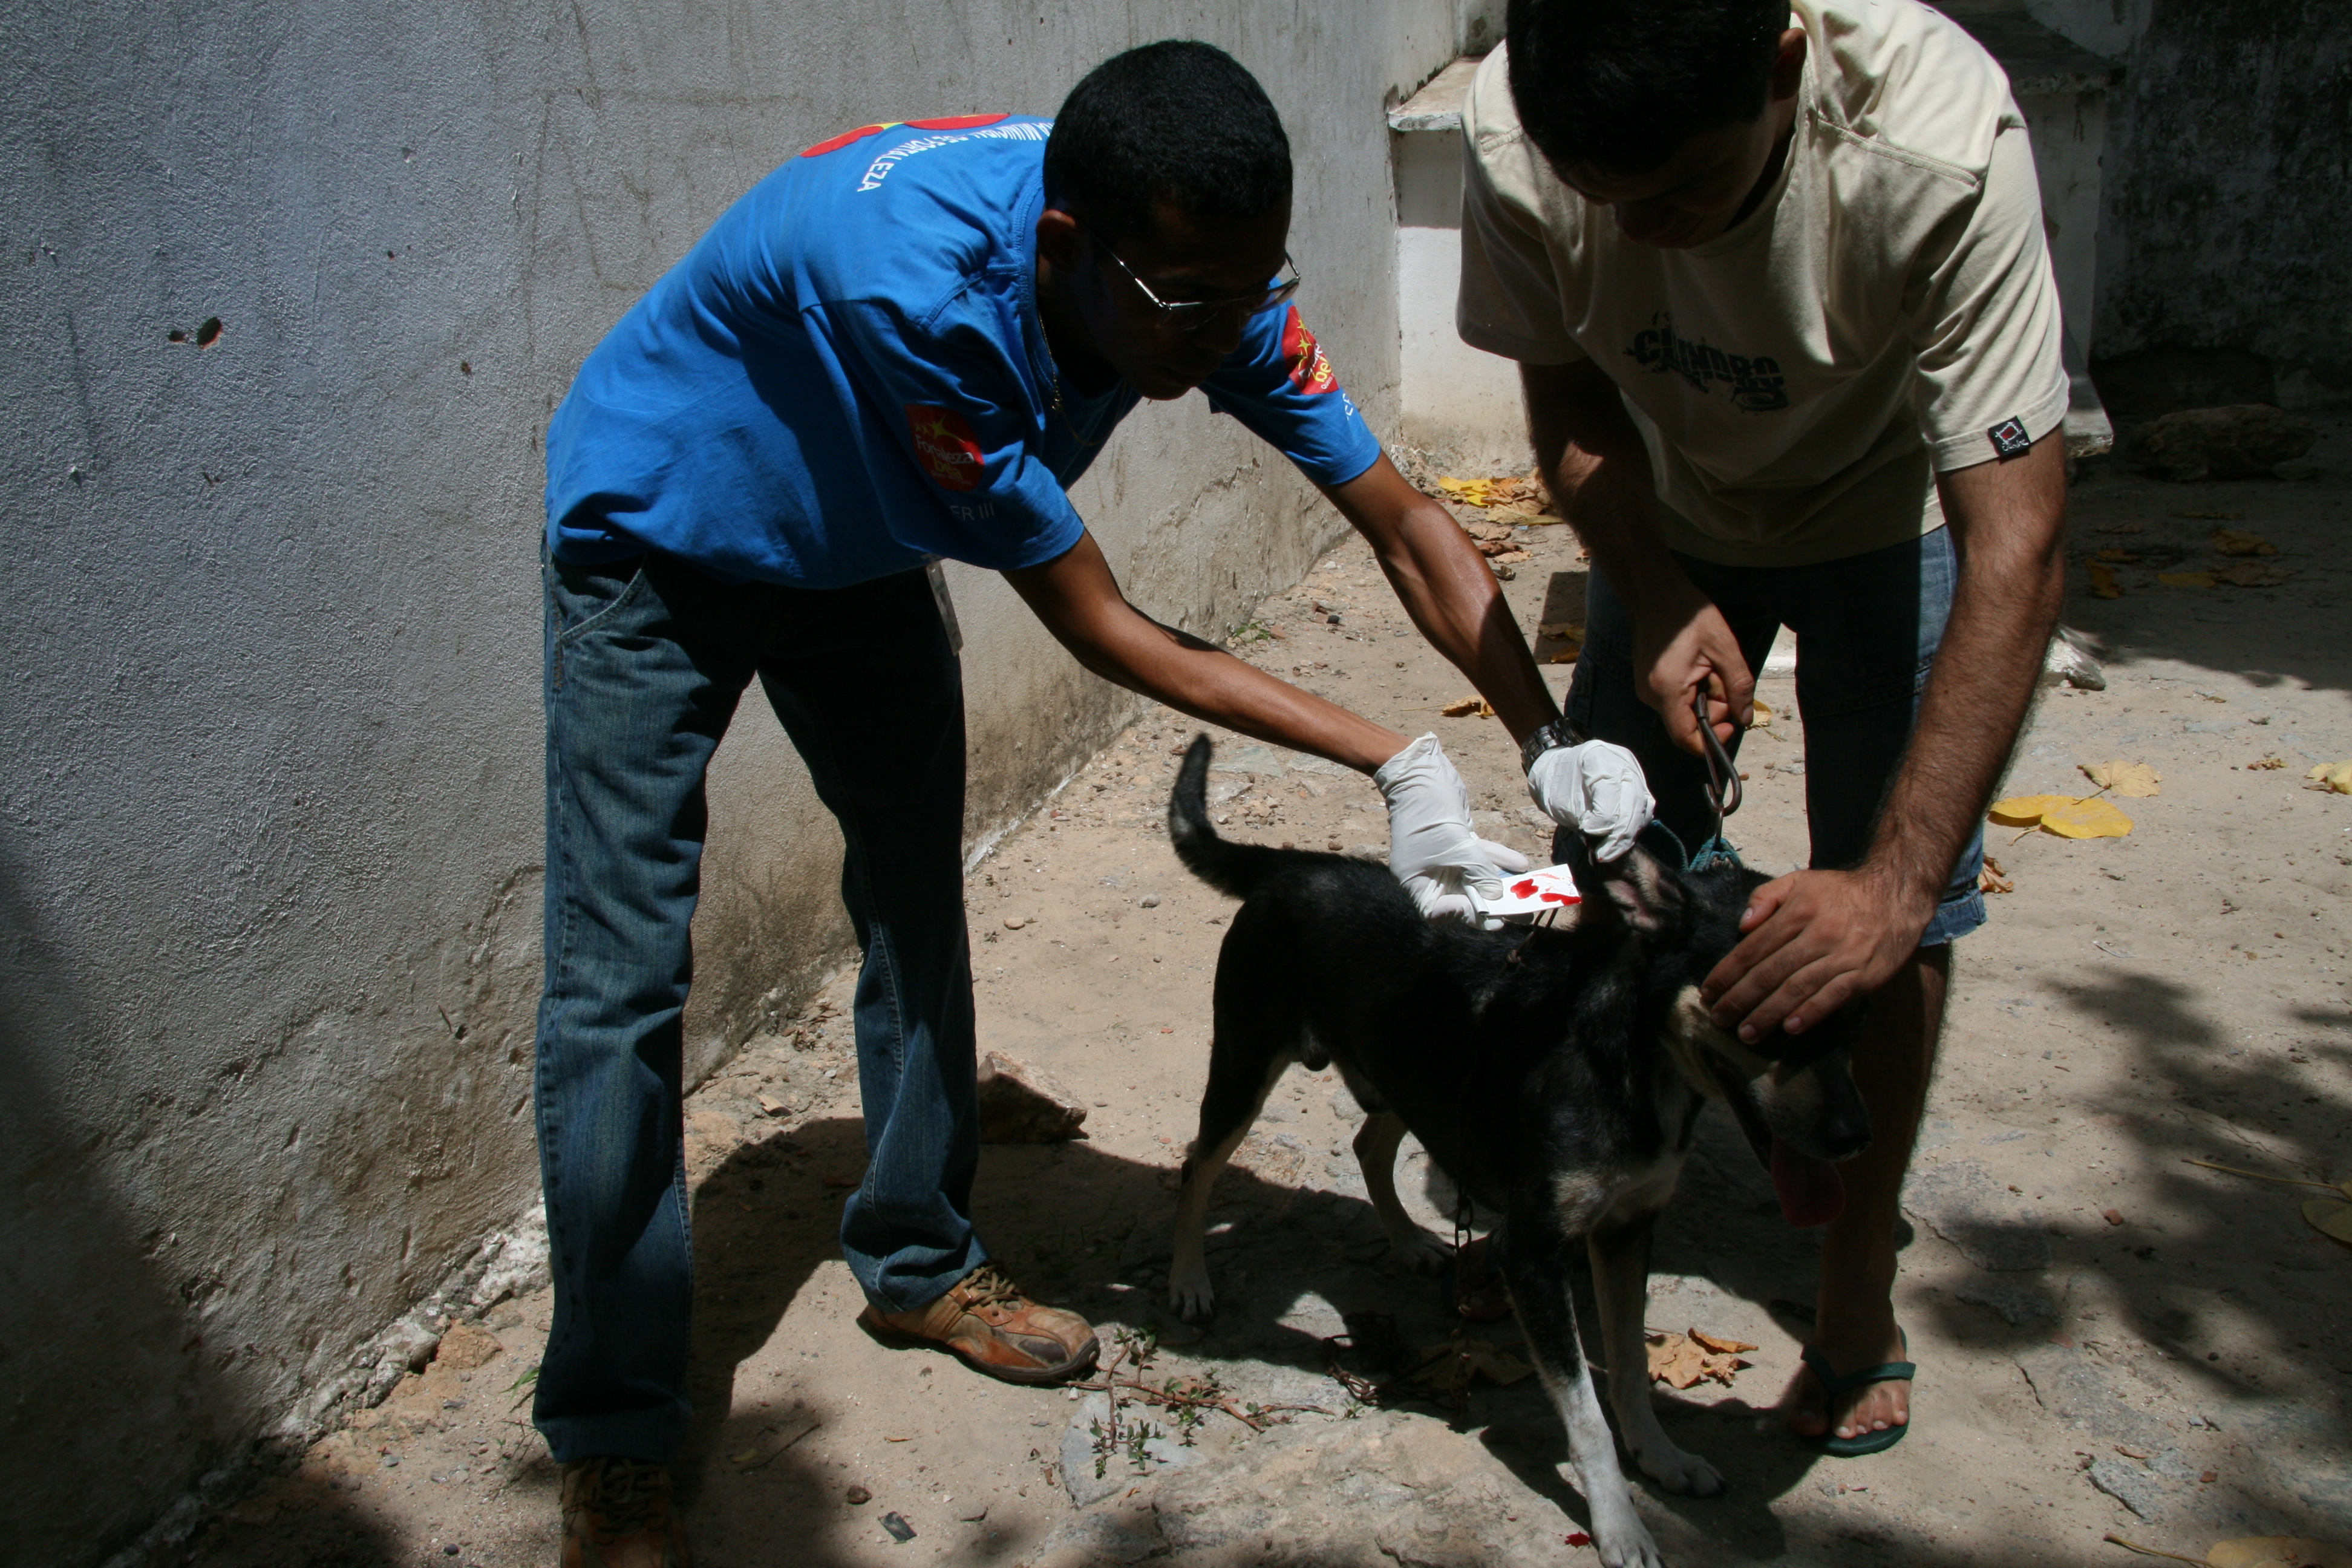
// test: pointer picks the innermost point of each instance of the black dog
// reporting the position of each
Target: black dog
(1555, 1074)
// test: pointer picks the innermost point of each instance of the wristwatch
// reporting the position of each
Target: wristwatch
(1558, 733)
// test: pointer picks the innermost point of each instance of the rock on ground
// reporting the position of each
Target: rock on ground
(1020, 1104)
(2241, 441)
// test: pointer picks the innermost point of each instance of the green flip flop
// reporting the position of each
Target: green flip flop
(1838, 1385)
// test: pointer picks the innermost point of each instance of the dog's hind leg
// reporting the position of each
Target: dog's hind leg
(1244, 1064)
(1536, 1262)
(1619, 1248)
(1376, 1150)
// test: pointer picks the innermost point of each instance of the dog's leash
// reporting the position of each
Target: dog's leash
(1723, 792)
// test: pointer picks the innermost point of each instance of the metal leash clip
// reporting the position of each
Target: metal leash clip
(1723, 791)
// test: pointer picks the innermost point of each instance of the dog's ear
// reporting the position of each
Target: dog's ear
(1637, 887)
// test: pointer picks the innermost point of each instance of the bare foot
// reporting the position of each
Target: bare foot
(1874, 1407)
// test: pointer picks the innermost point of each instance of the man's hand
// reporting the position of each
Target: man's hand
(1815, 940)
(1431, 850)
(1681, 644)
(1596, 788)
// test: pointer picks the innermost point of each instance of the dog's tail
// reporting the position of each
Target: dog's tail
(1230, 867)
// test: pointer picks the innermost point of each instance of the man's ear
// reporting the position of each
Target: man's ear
(1059, 239)
(1637, 887)
(1788, 65)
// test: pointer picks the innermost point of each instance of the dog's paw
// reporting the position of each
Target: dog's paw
(1190, 1297)
(1677, 1471)
(1420, 1252)
(1624, 1548)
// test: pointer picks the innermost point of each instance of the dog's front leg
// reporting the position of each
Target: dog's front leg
(1376, 1150)
(1535, 1259)
(1619, 1248)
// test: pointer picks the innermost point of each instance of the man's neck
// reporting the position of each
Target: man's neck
(1080, 369)
(1766, 179)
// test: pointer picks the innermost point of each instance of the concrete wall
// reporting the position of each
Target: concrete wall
(270, 830)
(2224, 271)
(1461, 404)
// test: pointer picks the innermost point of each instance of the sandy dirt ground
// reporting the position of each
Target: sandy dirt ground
(2110, 1338)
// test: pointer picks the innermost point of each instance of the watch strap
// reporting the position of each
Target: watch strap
(1558, 732)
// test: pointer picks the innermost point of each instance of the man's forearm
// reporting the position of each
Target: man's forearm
(1599, 470)
(1451, 596)
(1445, 587)
(2008, 527)
(1080, 603)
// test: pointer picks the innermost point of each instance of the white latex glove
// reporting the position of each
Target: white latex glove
(1597, 789)
(1443, 865)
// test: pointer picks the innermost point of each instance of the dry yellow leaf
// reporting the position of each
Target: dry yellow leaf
(2287, 1550)
(2135, 780)
(2123, 557)
(1468, 707)
(2026, 810)
(2087, 819)
(2253, 573)
(1559, 629)
(1720, 1345)
(1991, 880)
(2185, 579)
(2237, 541)
(1763, 714)
(2102, 582)
(2336, 776)
(2269, 763)
(1683, 1361)
(2331, 1216)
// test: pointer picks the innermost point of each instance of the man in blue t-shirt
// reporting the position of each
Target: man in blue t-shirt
(904, 343)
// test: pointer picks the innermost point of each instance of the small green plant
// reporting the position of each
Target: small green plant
(1249, 632)
(521, 1388)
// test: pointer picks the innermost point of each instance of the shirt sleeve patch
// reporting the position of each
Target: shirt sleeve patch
(2010, 439)
(1311, 371)
(946, 448)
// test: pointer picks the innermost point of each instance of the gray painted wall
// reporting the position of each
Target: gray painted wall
(270, 816)
(2229, 165)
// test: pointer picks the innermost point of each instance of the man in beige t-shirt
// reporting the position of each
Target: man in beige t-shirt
(1775, 275)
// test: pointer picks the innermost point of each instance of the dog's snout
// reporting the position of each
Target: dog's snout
(1844, 1134)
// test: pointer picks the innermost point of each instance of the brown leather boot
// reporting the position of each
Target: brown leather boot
(617, 1513)
(988, 1321)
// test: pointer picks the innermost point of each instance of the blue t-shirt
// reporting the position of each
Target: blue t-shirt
(847, 373)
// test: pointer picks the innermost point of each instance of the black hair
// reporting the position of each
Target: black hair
(1178, 122)
(1620, 84)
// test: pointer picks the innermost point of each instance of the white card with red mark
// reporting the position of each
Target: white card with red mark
(1547, 887)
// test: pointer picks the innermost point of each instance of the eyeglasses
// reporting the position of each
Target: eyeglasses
(1192, 315)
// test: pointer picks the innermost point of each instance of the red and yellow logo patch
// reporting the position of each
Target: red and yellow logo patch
(945, 447)
(1310, 372)
(951, 123)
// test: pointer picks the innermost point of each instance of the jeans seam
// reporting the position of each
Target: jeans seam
(881, 950)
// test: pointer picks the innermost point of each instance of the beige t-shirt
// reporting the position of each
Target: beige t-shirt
(1887, 311)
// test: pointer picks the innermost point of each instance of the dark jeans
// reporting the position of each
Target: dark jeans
(1867, 629)
(645, 662)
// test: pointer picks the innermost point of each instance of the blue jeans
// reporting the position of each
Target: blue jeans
(1867, 630)
(646, 661)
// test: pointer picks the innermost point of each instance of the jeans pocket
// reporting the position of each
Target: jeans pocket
(581, 599)
(584, 597)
